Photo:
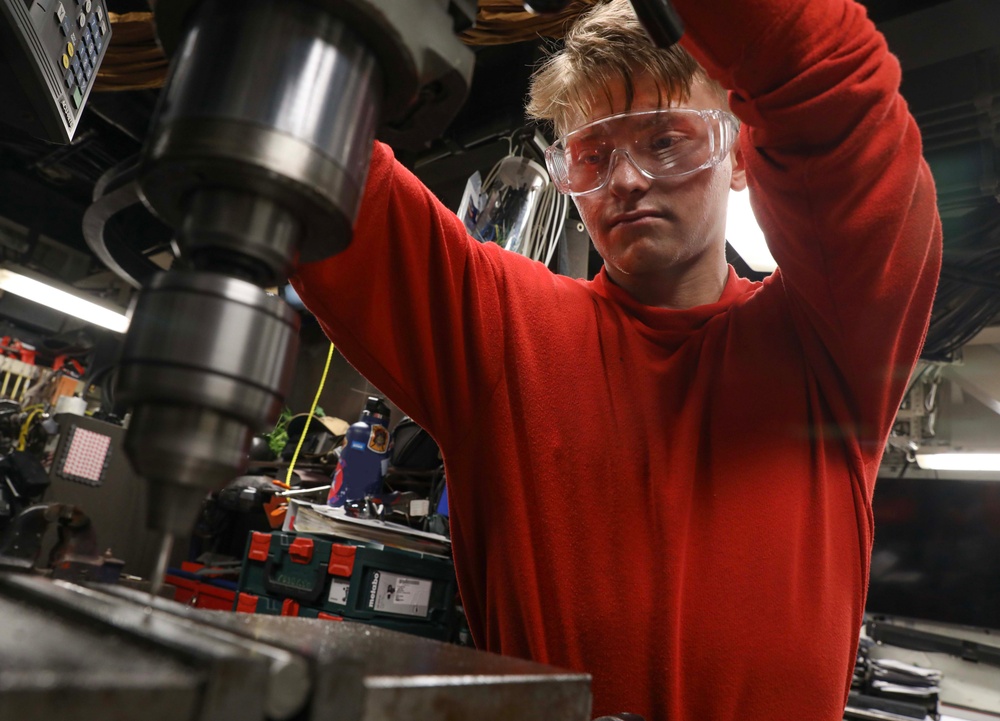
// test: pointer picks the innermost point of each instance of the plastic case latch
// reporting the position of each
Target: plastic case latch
(341, 560)
(301, 550)
(246, 603)
(260, 546)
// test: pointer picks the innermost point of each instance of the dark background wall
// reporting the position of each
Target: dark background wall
(937, 551)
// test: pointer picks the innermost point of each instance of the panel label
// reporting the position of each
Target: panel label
(392, 593)
(338, 592)
(64, 104)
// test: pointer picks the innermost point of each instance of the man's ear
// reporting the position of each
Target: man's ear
(739, 181)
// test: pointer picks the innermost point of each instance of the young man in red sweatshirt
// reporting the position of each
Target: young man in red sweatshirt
(663, 476)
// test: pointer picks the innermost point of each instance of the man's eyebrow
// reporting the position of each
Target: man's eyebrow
(666, 120)
(590, 134)
(657, 121)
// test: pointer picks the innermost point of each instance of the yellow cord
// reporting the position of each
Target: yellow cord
(302, 438)
(22, 439)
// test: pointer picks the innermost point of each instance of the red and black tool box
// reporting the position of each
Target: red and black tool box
(199, 591)
(305, 575)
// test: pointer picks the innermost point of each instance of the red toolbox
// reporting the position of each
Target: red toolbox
(201, 592)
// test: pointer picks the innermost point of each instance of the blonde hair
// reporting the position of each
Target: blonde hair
(608, 44)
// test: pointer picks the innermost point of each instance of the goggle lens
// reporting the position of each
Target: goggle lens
(661, 143)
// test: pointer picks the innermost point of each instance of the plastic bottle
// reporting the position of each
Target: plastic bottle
(365, 457)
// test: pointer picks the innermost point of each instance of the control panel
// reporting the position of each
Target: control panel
(50, 51)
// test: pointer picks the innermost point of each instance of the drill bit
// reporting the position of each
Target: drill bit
(160, 572)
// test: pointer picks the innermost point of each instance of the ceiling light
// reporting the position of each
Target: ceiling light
(46, 292)
(745, 235)
(959, 461)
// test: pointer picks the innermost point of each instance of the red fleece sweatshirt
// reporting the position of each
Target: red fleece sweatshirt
(675, 501)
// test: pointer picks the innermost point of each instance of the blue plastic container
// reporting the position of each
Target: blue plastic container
(365, 456)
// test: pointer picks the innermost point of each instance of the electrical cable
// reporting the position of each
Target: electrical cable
(966, 300)
(542, 227)
(547, 222)
(22, 439)
(558, 225)
(917, 377)
(312, 409)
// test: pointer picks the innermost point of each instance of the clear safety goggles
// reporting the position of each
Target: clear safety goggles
(666, 143)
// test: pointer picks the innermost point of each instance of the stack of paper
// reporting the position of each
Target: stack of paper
(889, 690)
(318, 519)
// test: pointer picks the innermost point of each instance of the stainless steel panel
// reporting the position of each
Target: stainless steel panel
(52, 667)
(407, 677)
(242, 667)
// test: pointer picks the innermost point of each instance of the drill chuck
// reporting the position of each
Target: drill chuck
(206, 371)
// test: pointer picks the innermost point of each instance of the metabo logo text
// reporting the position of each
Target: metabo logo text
(293, 582)
(371, 596)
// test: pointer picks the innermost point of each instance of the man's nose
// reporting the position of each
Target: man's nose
(625, 177)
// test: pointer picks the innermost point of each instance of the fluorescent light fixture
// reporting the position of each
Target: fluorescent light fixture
(745, 235)
(46, 293)
(959, 461)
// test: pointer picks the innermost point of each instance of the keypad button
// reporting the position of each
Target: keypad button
(92, 21)
(81, 20)
(77, 97)
(90, 49)
(67, 27)
(87, 6)
(88, 70)
(70, 80)
(70, 49)
(103, 27)
(60, 12)
(75, 63)
(93, 59)
(86, 36)
(100, 12)
(65, 61)
(99, 44)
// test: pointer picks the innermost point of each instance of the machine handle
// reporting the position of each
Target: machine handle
(658, 17)
(662, 23)
(116, 195)
(545, 6)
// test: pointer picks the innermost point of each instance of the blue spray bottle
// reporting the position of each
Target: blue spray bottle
(365, 456)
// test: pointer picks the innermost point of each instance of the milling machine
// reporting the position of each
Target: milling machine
(257, 159)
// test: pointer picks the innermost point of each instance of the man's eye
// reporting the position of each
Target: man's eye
(590, 157)
(666, 142)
